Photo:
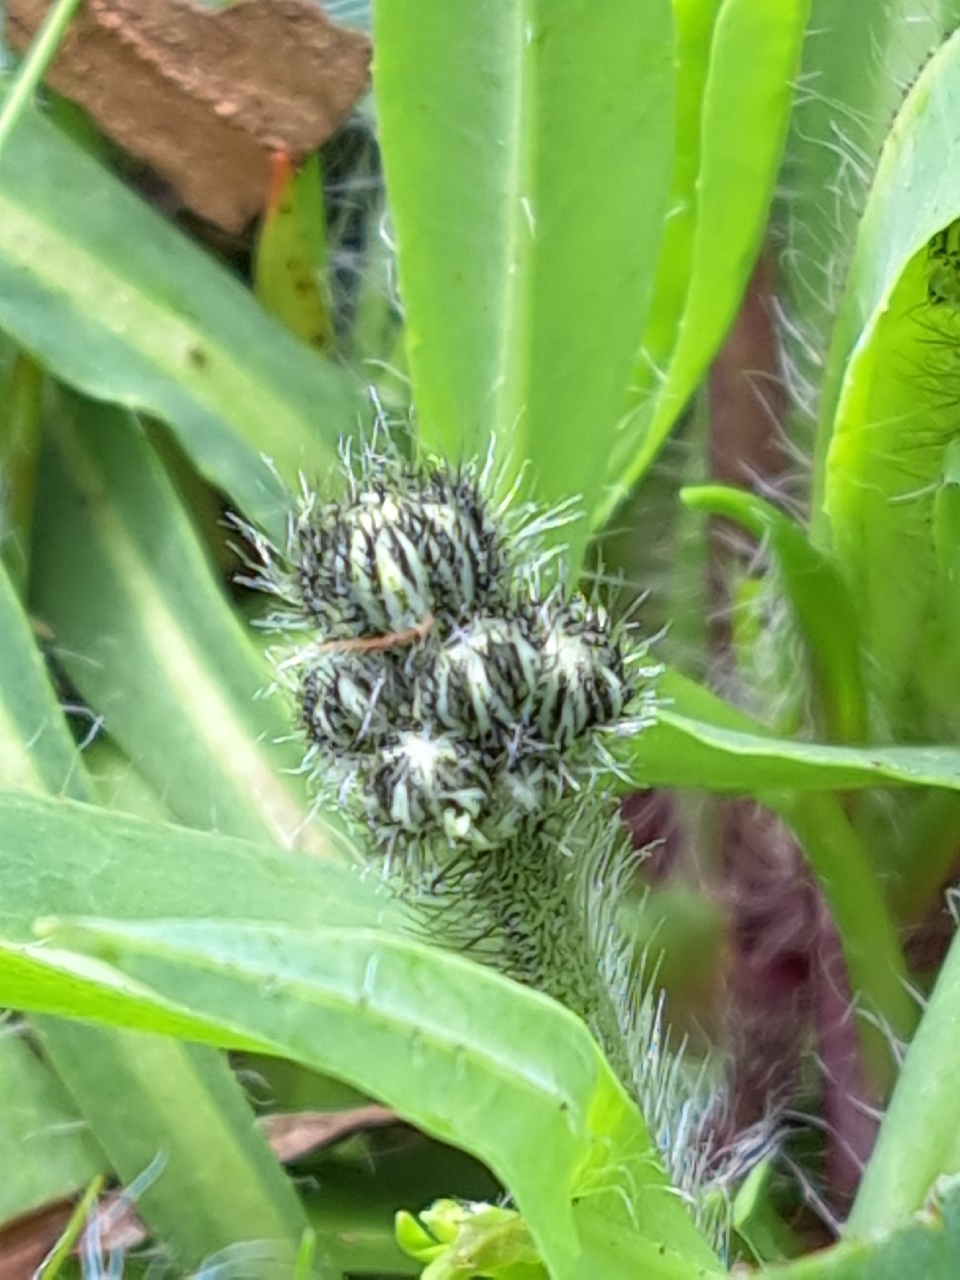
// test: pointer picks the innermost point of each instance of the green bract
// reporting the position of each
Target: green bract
(448, 696)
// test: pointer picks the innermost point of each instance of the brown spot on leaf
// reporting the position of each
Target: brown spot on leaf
(203, 97)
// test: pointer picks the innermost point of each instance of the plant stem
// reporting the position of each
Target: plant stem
(871, 949)
(921, 859)
(19, 440)
(875, 964)
(918, 1140)
(53, 1263)
(38, 58)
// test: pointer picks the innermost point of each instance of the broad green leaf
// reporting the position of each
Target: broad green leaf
(116, 1083)
(107, 1067)
(717, 748)
(818, 596)
(890, 390)
(109, 1070)
(143, 629)
(919, 1138)
(747, 96)
(115, 301)
(216, 1183)
(59, 857)
(528, 148)
(118, 785)
(140, 1095)
(926, 1245)
(857, 59)
(45, 1151)
(612, 1249)
(467, 1055)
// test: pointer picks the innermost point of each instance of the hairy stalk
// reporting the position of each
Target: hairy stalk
(456, 702)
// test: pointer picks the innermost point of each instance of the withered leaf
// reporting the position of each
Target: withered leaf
(26, 1241)
(295, 1134)
(201, 96)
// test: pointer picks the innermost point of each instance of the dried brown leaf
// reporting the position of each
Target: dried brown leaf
(203, 96)
(295, 1134)
(26, 1241)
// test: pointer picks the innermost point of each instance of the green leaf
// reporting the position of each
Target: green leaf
(115, 301)
(67, 1241)
(33, 67)
(717, 748)
(58, 857)
(883, 449)
(611, 1249)
(898, 221)
(722, 754)
(290, 258)
(357, 1228)
(45, 1151)
(528, 149)
(920, 1135)
(926, 1245)
(464, 1241)
(36, 750)
(694, 22)
(118, 785)
(747, 96)
(142, 1095)
(143, 629)
(819, 598)
(217, 1183)
(857, 58)
(467, 1055)
(21, 391)
(108, 1071)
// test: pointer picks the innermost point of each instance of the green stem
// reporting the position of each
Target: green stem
(868, 936)
(818, 597)
(34, 65)
(62, 1251)
(920, 1136)
(19, 438)
(921, 859)
(871, 949)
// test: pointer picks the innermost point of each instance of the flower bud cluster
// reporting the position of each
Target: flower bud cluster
(443, 694)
